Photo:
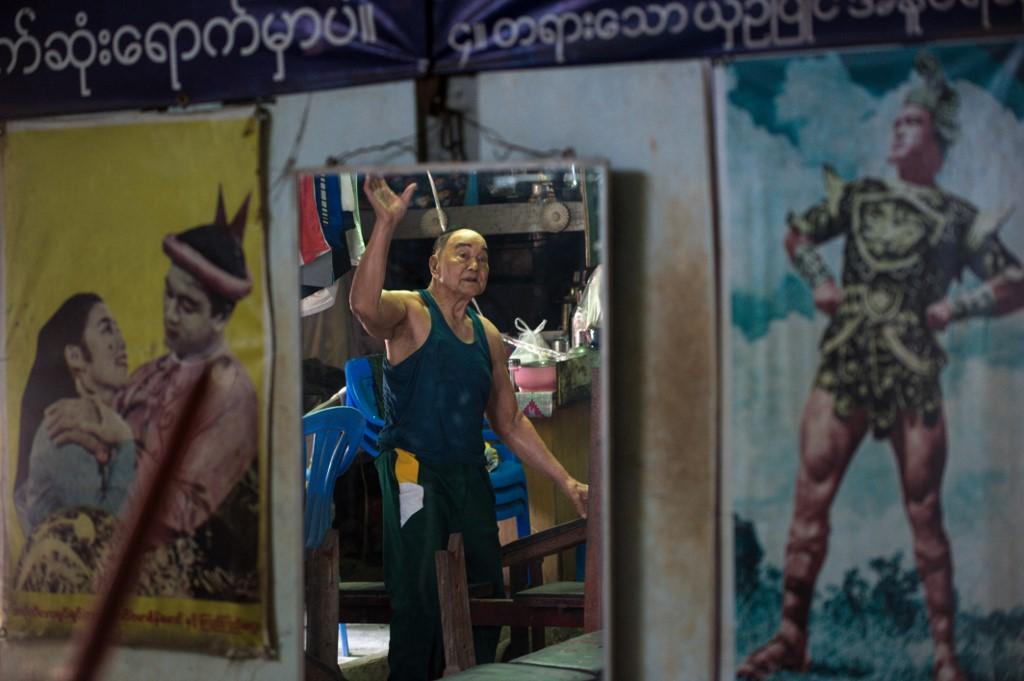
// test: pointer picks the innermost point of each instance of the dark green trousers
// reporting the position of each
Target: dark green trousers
(424, 502)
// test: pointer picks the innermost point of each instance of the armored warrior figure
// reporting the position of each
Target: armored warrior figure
(906, 240)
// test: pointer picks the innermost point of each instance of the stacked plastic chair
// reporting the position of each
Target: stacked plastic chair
(361, 394)
(508, 479)
(509, 483)
(337, 433)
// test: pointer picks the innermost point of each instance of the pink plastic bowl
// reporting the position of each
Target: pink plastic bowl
(536, 379)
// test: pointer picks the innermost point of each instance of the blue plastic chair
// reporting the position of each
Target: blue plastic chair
(360, 394)
(509, 483)
(337, 433)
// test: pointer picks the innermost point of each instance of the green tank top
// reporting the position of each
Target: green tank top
(434, 399)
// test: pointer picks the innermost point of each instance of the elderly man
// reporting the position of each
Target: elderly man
(906, 240)
(445, 368)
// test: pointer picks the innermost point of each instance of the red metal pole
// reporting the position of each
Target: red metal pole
(92, 641)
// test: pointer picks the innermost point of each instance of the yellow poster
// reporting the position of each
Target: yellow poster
(133, 266)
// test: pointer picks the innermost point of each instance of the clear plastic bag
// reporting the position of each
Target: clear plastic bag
(588, 312)
(529, 340)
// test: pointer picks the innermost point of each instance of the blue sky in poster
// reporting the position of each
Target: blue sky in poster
(796, 106)
(758, 82)
(782, 120)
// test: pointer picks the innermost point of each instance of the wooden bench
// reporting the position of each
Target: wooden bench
(516, 672)
(583, 654)
(573, 660)
(368, 603)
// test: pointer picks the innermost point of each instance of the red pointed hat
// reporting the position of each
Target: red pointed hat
(217, 279)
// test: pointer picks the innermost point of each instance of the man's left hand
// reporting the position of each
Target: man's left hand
(578, 495)
(939, 315)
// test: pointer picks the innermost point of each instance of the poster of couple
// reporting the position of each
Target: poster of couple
(134, 268)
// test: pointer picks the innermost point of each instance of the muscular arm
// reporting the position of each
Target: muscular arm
(516, 431)
(1008, 292)
(1003, 277)
(820, 223)
(379, 311)
(1001, 291)
(812, 269)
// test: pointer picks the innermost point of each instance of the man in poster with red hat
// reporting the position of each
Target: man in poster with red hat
(207, 277)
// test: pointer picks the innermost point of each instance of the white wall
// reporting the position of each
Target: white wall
(649, 121)
(336, 122)
(305, 130)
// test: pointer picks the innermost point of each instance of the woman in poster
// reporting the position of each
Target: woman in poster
(67, 496)
(80, 353)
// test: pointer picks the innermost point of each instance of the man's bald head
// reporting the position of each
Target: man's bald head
(459, 261)
(441, 241)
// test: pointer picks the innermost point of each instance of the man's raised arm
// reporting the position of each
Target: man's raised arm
(379, 311)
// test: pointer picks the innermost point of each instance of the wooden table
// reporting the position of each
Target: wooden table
(567, 434)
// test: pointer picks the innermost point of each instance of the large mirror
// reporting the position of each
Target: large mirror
(544, 224)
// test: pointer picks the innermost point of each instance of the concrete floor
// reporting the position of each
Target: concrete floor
(368, 653)
(368, 650)
(365, 640)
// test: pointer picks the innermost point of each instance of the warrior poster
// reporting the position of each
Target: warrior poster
(873, 231)
(133, 268)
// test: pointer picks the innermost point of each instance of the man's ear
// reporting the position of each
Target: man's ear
(219, 321)
(433, 262)
(74, 358)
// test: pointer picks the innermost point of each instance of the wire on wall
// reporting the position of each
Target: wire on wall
(508, 148)
(438, 117)
(452, 140)
(401, 144)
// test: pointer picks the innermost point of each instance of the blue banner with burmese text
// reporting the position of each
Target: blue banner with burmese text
(92, 55)
(473, 36)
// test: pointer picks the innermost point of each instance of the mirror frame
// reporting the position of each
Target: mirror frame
(604, 431)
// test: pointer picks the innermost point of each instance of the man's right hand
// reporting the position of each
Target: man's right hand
(827, 297)
(379, 311)
(387, 206)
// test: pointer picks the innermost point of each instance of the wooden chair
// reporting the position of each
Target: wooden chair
(335, 433)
